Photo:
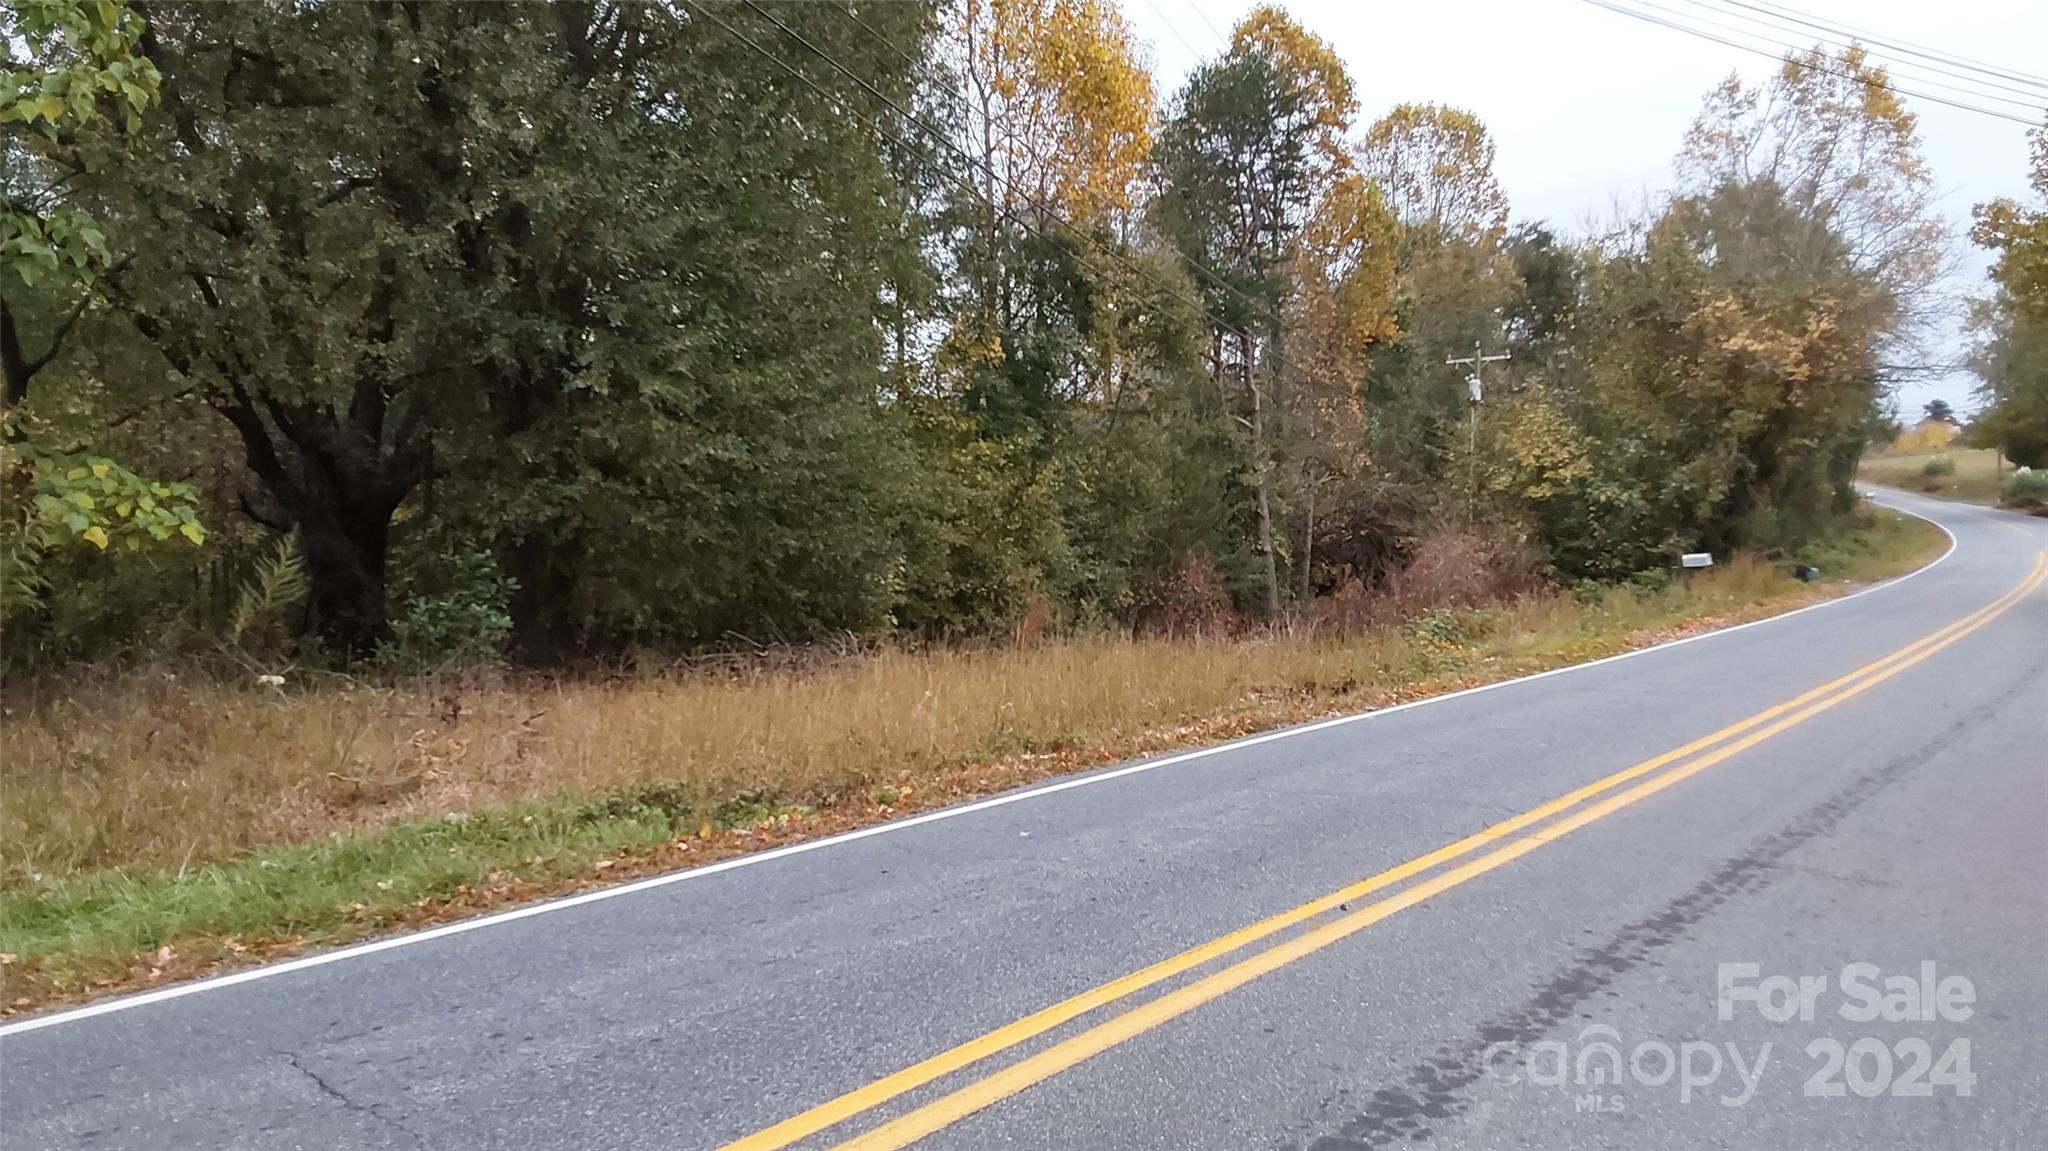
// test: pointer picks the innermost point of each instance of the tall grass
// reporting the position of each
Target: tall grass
(146, 808)
(152, 770)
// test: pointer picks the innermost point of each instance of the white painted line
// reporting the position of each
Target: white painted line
(220, 982)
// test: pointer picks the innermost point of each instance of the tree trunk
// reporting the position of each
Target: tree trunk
(544, 628)
(338, 483)
(13, 362)
(345, 548)
(1308, 537)
(1265, 480)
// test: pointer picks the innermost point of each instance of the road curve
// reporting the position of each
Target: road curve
(1666, 845)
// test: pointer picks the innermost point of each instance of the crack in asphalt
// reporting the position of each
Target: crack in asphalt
(320, 1082)
(1435, 1087)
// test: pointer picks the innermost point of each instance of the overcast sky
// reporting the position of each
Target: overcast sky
(1588, 106)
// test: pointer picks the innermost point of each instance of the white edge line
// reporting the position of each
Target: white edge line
(230, 979)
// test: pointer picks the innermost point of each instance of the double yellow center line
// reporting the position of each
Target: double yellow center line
(1504, 839)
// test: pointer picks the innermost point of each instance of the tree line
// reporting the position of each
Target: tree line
(572, 329)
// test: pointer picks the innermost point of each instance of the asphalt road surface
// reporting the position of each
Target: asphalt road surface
(1810, 914)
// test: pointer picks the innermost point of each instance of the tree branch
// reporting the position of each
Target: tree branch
(249, 509)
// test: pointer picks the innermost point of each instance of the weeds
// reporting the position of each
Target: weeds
(2027, 491)
(147, 808)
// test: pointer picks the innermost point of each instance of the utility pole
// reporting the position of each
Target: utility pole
(1475, 396)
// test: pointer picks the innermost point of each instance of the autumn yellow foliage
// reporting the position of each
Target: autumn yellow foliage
(1925, 436)
(1059, 104)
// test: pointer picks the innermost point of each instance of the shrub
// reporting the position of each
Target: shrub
(1194, 602)
(1449, 627)
(1938, 466)
(2027, 490)
(1350, 610)
(1450, 569)
(1650, 581)
(465, 625)
(1464, 567)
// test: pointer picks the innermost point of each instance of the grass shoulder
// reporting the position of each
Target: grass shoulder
(158, 829)
(1970, 475)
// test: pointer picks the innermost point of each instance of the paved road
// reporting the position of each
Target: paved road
(1894, 819)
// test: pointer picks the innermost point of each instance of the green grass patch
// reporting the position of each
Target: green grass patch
(1871, 547)
(1971, 475)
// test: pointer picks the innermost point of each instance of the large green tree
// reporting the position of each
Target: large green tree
(529, 266)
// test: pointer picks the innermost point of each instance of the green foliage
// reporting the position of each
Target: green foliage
(2025, 490)
(82, 61)
(2011, 358)
(83, 71)
(2011, 361)
(1449, 627)
(981, 535)
(97, 501)
(84, 79)
(1650, 581)
(1938, 466)
(464, 625)
(50, 500)
(267, 601)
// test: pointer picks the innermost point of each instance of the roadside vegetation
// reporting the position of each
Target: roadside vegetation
(157, 826)
(1973, 475)
(2027, 493)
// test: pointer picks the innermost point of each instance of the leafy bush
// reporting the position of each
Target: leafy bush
(1650, 581)
(52, 498)
(2026, 490)
(1450, 627)
(1938, 466)
(465, 625)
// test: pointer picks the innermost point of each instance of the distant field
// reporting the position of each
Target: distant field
(1973, 481)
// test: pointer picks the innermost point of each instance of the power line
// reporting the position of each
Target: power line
(1797, 17)
(1204, 17)
(1782, 16)
(1899, 69)
(1196, 52)
(1780, 49)
(1651, 18)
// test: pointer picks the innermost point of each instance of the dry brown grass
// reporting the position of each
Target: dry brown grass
(154, 828)
(152, 771)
